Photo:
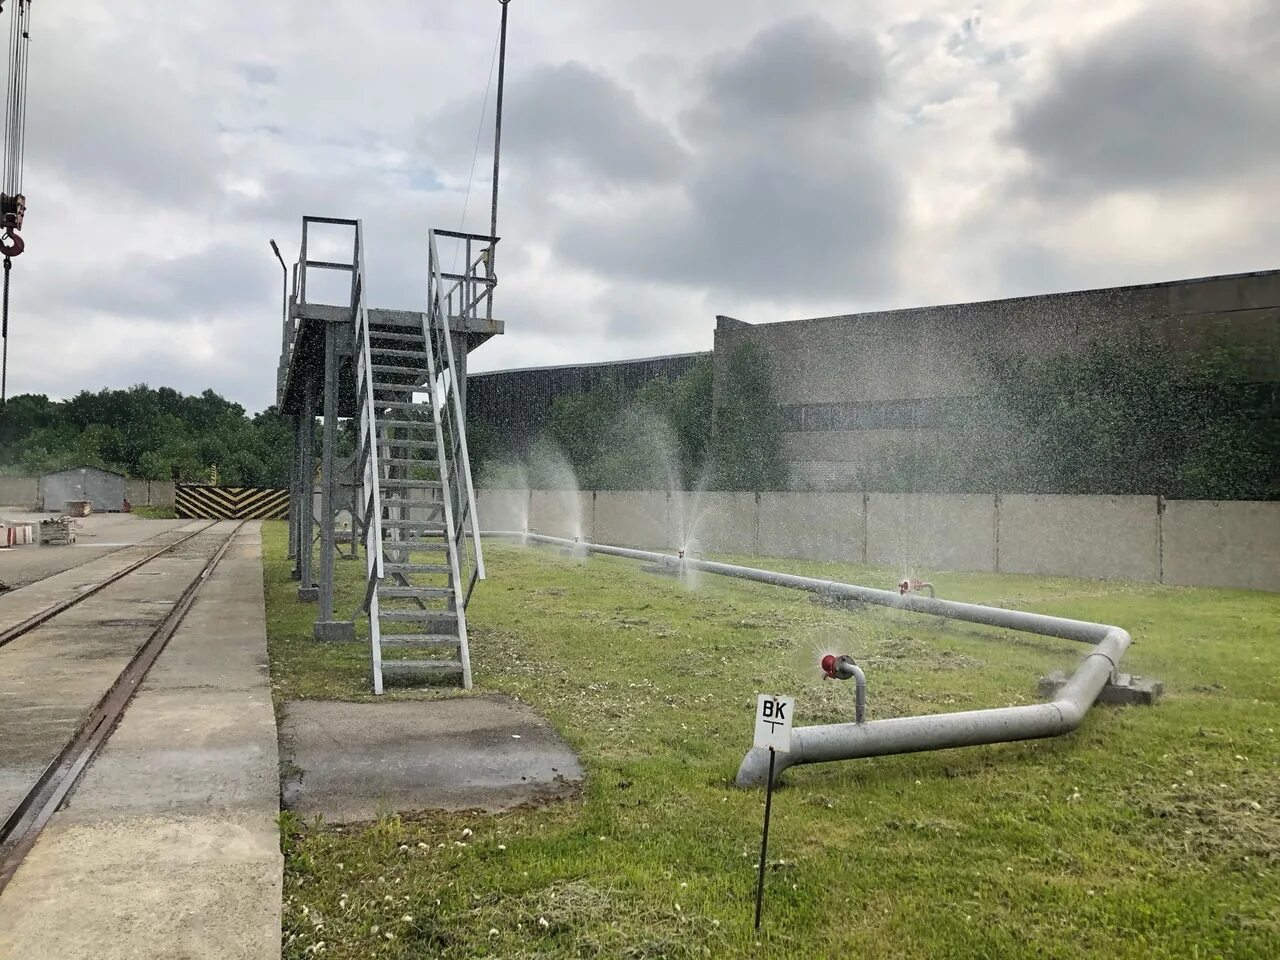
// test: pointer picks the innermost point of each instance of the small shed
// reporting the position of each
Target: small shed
(103, 488)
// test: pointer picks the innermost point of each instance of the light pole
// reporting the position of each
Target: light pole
(284, 304)
(296, 483)
(497, 128)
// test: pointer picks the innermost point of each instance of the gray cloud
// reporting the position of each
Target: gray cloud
(1157, 102)
(801, 68)
(103, 112)
(219, 278)
(788, 199)
(564, 121)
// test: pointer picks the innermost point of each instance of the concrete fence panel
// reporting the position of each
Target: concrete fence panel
(714, 522)
(1107, 538)
(813, 526)
(937, 531)
(502, 509)
(633, 518)
(561, 513)
(19, 492)
(1213, 543)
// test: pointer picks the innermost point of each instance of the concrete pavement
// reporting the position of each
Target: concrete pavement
(97, 535)
(169, 847)
(357, 761)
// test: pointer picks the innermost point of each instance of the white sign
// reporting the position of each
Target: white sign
(773, 722)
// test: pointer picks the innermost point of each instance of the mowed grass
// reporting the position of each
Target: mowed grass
(1150, 832)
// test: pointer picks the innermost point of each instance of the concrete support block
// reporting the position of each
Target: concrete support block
(1124, 689)
(914, 532)
(308, 594)
(816, 526)
(335, 631)
(1109, 538)
(1213, 543)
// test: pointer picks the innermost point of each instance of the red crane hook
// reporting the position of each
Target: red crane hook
(11, 243)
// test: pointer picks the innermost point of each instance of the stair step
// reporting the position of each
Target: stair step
(404, 405)
(424, 525)
(412, 545)
(402, 423)
(411, 504)
(418, 640)
(410, 484)
(413, 593)
(407, 371)
(408, 444)
(375, 334)
(405, 462)
(420, 666)
(416, 568)
(417, 616)
(395, 352)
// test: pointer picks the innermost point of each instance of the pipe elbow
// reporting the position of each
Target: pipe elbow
(754, 769)
(1071, 712)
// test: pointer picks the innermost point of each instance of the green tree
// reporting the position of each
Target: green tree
(747, 443)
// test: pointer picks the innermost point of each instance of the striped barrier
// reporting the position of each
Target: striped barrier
(16, 534)
(198, 501)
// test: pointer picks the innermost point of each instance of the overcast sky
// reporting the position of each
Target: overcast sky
(663, 161)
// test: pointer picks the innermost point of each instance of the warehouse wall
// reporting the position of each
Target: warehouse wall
(1185, 542)
(24, 492)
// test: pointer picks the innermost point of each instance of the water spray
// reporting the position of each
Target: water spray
(915, 586)
(843, 667)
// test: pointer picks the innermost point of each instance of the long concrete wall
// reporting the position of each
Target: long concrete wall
(1185, 542)
(23, 492)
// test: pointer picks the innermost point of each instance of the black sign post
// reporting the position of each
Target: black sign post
(764, 841)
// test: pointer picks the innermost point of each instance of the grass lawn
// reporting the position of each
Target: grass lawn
(1150, 832)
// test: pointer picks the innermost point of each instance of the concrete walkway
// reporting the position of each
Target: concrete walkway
(357, 761)
(169, 847)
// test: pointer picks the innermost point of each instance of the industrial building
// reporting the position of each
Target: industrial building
(857, 387)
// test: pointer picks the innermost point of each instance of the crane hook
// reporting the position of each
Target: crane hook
(11, 243)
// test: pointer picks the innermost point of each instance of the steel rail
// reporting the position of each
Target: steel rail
(24, 824)
(33, 621)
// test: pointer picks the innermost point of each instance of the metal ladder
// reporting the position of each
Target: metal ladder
(417, 493)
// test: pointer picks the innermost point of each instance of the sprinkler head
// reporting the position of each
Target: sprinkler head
(838, 668)
(680, 554)
(903, 587)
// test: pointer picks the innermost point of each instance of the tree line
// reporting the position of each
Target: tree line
(148, 433)
(1123, 417)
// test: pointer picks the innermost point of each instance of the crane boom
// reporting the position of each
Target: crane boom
(13, 203)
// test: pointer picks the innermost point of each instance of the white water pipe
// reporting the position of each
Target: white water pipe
(849, 741)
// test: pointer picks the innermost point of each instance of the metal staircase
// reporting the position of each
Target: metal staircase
(418, 500)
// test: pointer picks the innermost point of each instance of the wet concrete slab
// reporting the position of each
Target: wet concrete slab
(352, 762)
(53, 676)
(97, 535)
(40, 584)
(169, 846)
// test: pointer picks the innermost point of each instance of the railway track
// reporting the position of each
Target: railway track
(33, 811)
(25, 626)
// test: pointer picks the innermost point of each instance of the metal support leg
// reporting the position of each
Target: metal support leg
(326, 628)
(295, 494)
(306, 494)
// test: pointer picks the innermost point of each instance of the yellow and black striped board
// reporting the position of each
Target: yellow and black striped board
(199, 501)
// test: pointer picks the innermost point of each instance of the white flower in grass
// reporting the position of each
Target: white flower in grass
(466, 832)
(543, 923)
